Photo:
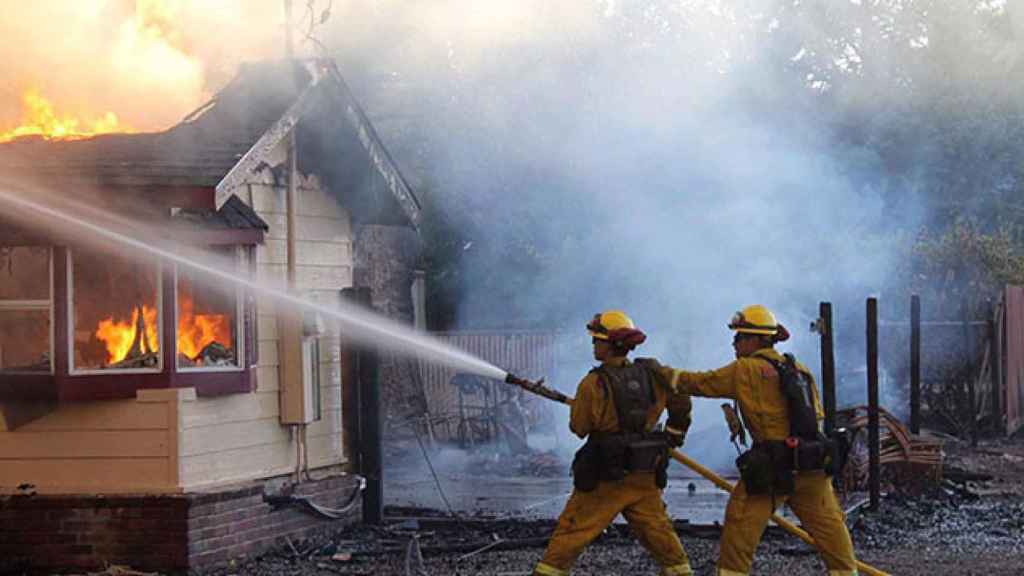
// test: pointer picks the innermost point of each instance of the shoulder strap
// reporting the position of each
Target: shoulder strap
(615, 379)
(602, 378)
(652, 365)
(803, 422)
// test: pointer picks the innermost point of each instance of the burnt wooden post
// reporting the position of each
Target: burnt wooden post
(350, 397)
(874, 460)
(972, 413)
(828, 366)
(996, 354)
(915, 364)
(372, 436)
(370, 431)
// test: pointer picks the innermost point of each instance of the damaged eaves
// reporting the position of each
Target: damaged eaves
(243, 223)
(371, 189)
(336, 137)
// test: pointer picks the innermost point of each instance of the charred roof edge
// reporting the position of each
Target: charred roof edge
(269, 140)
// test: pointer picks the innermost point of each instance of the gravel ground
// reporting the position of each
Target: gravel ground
(972, 524)
(934, 535)
(965, 528)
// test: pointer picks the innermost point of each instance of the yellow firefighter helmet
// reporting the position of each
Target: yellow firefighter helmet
(616, 328)
(755, 319)
(607, 322)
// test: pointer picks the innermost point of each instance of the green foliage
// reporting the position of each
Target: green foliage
(962, 261)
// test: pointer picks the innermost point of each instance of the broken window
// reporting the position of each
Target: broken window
(115, 304)
(208, 315)
(26, 310)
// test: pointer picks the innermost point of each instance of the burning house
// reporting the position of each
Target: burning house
(145, 407)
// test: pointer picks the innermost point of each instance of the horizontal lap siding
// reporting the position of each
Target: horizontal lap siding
(102, 447)
(92, 475)
(85, 444)
(240, 437)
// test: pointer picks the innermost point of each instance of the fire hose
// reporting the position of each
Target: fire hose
(541, 390)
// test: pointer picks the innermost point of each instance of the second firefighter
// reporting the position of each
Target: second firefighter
(621, 469)
(790, 462)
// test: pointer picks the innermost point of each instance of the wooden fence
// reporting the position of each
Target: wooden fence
(531, 354)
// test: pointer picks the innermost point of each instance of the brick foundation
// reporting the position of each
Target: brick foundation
(166, 533)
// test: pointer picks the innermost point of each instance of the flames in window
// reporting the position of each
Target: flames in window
(115, 304)
(203, 339)
(206, 325)
(135, 338)
(203, 336)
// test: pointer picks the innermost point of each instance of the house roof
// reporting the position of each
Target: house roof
(225, 141)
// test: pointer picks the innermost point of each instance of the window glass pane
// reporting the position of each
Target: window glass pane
(24, 273)
(207, 335)
(116, 313)
(24, 341)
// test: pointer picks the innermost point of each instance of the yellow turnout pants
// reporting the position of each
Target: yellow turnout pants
(587, 514)
(813, 502)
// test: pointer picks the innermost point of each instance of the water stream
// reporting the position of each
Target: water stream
(358, 325)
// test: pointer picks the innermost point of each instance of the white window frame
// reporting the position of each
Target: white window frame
(239, 329)
(72, 370)
(36, 305)
(312, 375)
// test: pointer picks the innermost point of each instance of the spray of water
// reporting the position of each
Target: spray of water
(360, 325)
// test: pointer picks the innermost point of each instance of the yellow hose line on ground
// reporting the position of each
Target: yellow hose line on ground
(782, 522)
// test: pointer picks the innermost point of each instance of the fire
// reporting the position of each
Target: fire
(40, 119)
(196, 331)
(120, 337)
(150, 61)
(142, 53)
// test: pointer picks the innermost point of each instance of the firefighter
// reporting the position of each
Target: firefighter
(621, 469)
(783, 466)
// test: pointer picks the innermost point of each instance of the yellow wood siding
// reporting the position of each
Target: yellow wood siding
(98, 447)
(170, 440)
(240, 437)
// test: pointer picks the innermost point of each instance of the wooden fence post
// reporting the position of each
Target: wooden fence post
(915, 364)
(874, 457)
(828, 366)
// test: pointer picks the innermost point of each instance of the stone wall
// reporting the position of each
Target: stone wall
(385, 258)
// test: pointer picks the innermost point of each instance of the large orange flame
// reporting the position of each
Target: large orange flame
(40, 119)
(142, 55)
(119, 336)
(196, 331)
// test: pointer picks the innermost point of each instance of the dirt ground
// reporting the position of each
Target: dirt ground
(971, 524)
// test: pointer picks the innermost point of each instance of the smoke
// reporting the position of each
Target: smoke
(660, 157)
(680, 160)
